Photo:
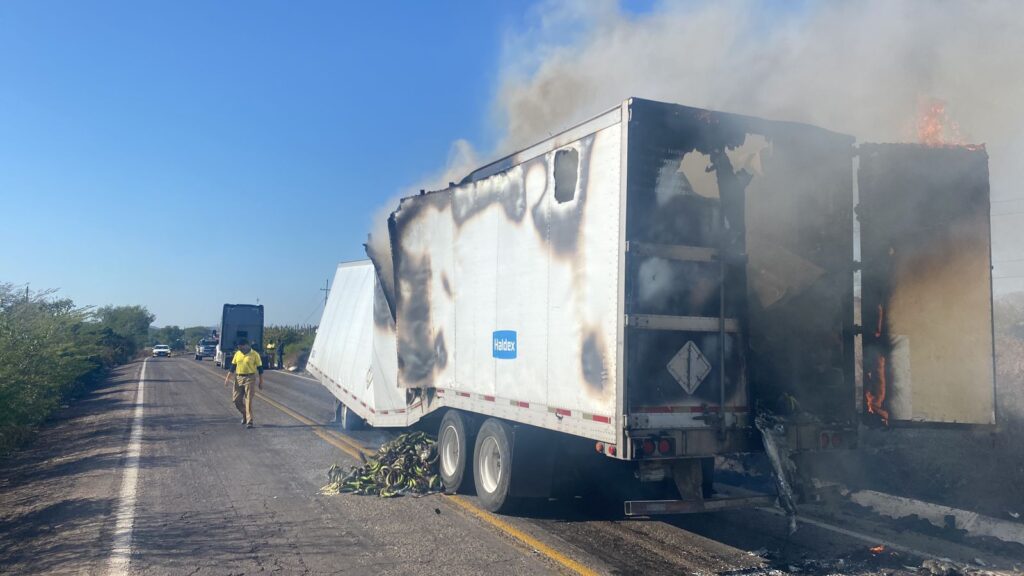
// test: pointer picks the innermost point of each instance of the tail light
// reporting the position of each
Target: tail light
(599, 447)
(648, 446)
(611, 450)
(665, 447)
(823, 440)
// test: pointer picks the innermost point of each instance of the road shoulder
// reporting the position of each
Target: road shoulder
(57, 495)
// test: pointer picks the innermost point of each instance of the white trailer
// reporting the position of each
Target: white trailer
(645, 281)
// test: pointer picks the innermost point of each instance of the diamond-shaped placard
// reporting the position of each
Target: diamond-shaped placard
(689, 367)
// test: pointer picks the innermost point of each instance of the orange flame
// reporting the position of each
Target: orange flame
(934, 127)
(877, 549)
(874, 402)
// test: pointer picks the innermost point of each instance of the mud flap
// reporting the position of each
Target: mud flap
(533, 457)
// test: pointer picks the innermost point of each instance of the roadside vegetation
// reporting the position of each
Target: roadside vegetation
(52, 351)
(297, 341)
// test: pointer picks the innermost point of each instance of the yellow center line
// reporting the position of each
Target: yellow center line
(353, 448)
(345, 443)
(540, 547)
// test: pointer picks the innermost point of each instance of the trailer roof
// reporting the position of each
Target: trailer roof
(612, 116)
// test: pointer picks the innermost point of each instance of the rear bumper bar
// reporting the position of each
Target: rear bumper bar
(655, 507)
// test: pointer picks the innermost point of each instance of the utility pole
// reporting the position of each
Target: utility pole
(326, 290)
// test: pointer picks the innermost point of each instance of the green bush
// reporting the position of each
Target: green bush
(51, 351)
(297, 342)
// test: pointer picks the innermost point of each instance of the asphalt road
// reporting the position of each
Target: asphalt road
(212, 497)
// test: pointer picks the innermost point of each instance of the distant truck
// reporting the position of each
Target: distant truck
(664, 284)
(206, 348)
(237, 322)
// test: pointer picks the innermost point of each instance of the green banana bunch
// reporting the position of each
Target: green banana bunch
(405, 465)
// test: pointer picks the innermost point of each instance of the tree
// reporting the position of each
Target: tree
(193, 334)
(129, 322)
(173, 336)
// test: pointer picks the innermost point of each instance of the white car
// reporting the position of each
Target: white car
(161, 350)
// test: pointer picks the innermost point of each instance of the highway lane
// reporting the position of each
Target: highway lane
(213, 498)
(217, 498)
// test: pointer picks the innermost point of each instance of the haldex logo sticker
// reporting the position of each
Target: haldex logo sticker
(504, 345)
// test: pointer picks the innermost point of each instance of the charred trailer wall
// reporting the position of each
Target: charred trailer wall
(770, 203)
(506, 285)
(926, 286)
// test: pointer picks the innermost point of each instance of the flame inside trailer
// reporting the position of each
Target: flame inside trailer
(935, 127)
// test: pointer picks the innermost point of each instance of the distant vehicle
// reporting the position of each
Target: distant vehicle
(662, 285)
(161, 350)
(206, 348)
(238, 321)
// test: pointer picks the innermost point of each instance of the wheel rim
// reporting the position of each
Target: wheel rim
(490, 464)
(450, 450)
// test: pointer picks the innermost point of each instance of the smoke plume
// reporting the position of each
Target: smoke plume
(867, 68)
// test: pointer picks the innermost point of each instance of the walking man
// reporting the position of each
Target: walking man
(247, 369)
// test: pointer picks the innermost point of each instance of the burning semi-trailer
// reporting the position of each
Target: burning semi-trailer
(662, 285)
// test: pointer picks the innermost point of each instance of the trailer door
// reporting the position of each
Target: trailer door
(926, 284)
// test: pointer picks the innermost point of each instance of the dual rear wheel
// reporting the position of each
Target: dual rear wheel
(491, 461)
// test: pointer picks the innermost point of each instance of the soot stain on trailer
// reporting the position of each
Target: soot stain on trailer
(506, 189)
(593, 363)
(560, 223)
(382, 318)
(417, 348)
(446, 285)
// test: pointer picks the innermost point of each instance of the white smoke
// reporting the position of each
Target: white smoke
(863, 67)
(462, 159)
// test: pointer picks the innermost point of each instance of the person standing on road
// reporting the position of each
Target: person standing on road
(247, 368)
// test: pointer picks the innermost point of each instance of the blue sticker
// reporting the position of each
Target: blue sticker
(503, 344)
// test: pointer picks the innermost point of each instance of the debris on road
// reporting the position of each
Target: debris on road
(773, 433)
(405, 465)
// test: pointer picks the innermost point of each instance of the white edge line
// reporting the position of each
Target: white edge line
(121, 550)
(295, 375)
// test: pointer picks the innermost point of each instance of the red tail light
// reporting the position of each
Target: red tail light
(611, 450)
(648, 447)
(823, 440)
(665, 446)
(599, 447)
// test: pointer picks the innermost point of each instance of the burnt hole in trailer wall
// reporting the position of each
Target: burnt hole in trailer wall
(559, 224)
(567, 165)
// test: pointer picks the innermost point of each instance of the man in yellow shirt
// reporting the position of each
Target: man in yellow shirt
(246, 367)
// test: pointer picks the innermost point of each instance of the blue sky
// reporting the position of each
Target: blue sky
(181, 155)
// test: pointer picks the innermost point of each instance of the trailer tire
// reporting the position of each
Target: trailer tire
(492, 465)
(347, 419)
(453, 449)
